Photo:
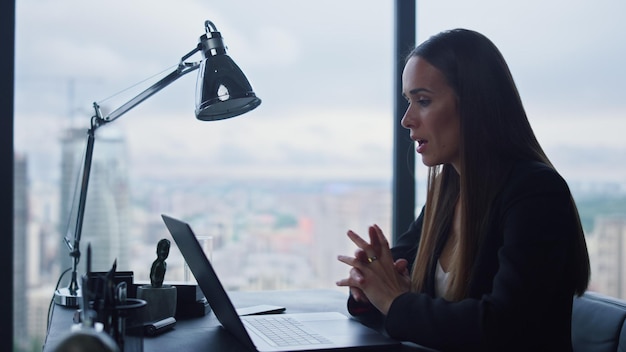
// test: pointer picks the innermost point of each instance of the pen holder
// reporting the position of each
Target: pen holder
(124, 324)
(161, 302)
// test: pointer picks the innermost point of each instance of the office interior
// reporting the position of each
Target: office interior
(403, 187)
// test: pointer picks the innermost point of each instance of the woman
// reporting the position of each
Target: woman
(498, 252)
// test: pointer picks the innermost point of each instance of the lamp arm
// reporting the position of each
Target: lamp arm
(96, 121)
(182, 69)
(82, 200)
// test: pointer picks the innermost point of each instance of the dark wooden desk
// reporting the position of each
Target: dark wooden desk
(206, 333)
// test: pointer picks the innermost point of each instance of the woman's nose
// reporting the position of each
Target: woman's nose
(407, 120)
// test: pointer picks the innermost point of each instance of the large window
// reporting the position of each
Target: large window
(277, 188)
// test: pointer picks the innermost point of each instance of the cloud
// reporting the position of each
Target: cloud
(324, 70)
(561, 53)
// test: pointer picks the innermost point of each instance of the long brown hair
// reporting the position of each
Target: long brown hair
(495, 133)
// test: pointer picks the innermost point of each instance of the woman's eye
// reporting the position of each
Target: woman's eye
(423, 102)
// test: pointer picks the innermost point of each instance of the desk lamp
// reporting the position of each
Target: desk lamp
(222, 91)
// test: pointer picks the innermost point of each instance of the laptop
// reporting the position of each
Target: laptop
(322, 331)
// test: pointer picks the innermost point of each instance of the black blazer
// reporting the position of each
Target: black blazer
(520, 295)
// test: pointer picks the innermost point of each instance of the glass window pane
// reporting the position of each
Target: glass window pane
(276, 188)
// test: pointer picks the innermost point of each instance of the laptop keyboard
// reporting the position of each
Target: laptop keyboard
(284, 331)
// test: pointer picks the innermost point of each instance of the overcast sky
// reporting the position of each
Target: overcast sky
(324, 70)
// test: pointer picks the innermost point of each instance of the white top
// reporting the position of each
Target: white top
(441, 280)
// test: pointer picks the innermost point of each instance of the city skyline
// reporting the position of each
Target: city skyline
(258, 225)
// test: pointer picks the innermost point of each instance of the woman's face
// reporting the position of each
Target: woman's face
(432, 115)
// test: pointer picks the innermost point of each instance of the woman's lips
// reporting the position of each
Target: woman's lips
(421, 145)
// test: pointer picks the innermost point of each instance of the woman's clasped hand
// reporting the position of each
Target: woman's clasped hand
(375, 277)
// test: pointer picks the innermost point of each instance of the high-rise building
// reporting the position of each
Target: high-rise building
(608, 256)
(106, 218)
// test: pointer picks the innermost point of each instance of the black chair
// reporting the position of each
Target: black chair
(598, 323)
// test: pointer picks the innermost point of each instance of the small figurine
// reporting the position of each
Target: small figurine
(157, 273)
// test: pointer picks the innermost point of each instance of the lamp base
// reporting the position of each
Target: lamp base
(65, 298)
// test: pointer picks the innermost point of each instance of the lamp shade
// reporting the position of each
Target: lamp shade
(222, 90)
